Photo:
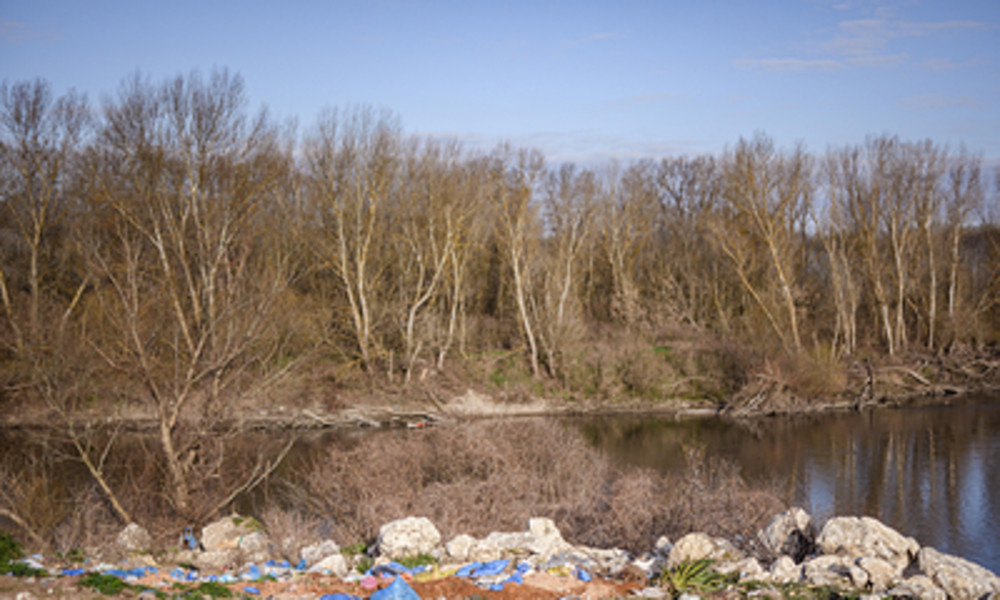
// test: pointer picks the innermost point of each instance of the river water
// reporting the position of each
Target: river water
(932, 473)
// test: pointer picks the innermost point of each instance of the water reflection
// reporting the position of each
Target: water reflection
(932, 473)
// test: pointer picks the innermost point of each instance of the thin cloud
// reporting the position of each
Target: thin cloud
(653, 98)
(865, 43)
(789, 65)
(16, 32)
(590, 39)
(938, 102)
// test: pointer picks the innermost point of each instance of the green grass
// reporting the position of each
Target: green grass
(419, 560)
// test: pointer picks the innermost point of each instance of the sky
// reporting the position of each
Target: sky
(581, 81)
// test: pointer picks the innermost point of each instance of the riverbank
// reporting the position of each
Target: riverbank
(793, 554)
(917, 379)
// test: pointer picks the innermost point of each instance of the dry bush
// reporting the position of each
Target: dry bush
(483, 477)
(290, 531)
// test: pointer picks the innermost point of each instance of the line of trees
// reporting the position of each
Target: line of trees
(172, 245)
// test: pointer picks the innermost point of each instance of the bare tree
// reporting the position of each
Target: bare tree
(352, 163)
(179, 177)
(768, 196)
(515, 177)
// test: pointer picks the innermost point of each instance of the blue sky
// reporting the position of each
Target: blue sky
(582, 81)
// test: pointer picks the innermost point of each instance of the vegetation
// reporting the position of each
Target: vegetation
(169, 255)
(694, 576)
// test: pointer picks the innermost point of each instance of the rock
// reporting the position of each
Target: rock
(959, 578)
(866, 537)
(408, 537)
(662, 546)
(748, 569)
(918, 586)
(317, 552)
(791, 533)
(696, 546)
(459, 546)
(542, 539)
(334, 563)
(484, 551)
(784, 570)
(216, 560)
(654, 593)
(833, 570)
(881, 574)
(134, 538)
(235, 532)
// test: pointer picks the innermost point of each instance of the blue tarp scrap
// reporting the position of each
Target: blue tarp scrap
(253, 573)
(338, 597)
(251, 590)
(467, 570)
(301, 566)
(72, 572)
(397, 590)
(582, 574)
(491, 568)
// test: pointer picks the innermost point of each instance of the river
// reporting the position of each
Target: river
(932, 473)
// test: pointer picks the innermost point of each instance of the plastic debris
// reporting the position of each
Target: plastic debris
(251, 590)
(397, 590)
(467, 570)
(191, 541)
(252, 574)
(495, 567)
(582, 574)
(72, 572)
(301, 566)
(338, 597)
(178, 573)
(369, 583)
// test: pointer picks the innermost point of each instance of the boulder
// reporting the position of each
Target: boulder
(134, 538)
(918, 586)
(858, 537)
(216, 560)
(408, 537)
(334, 563)
(784, 570)
(696, 546)
(318, 551)
(459, 546)
(235, 532)
(881, 574)
(959, 578)
(833, 570)
(791, 533)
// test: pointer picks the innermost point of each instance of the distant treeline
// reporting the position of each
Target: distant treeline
(171, 245)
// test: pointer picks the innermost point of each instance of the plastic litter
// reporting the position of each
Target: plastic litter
(582, 574)
(72, 572)
(338, 597)
(301, 566)
(251, 590)
(253, 573)
(491, 568)
(397, 590)
(369, 583)
(191, 541)
(467, 570)
(178, 573)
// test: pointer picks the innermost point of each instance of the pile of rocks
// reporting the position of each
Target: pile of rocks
(850, 553)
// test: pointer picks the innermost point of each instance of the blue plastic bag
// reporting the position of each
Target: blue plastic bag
(491, 568)
(251, 590)
(467, 570)
(583, 575)
(397, 590)
(338, 597)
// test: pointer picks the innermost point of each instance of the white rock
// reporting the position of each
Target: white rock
(881, 574)
(834, 570)
(857, 537)
(134, 538)
(784, 570)
(696, 546)
(790, 533)
(918, 586)
(459, 546)
(216, 560)
(662, 546)
(334, 563)
(318, 551)
(959, 578)
(230, 533)
(408, 537)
